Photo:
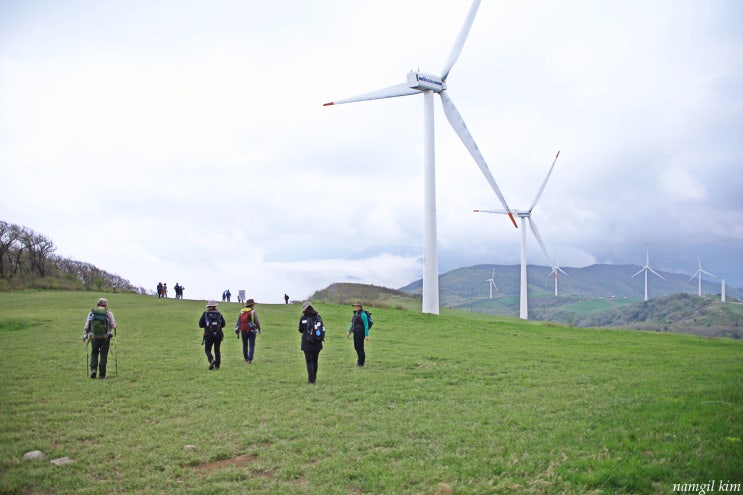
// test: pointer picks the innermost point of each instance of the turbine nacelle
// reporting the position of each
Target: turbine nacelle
(424, 82)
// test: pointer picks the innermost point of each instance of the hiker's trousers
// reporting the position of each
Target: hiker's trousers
(100, 348)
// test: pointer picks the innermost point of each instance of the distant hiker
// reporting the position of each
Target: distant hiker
(212, 322)
(165, 289)
(286, 299)
(311, 347)
(159, 290)
(179, 291)
(98, 330)
(247, 327)
(228, 294)
(360, 329)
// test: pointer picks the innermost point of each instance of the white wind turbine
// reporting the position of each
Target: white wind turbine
(554, 273)
(525, 216)
(491, 283)
(647, 269)
(699, 273)
(428, 84)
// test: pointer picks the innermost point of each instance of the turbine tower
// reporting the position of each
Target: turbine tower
(525, 216)
(554, 273)
(647, 269)
(491, 283)
(428, 84)
(699, 273)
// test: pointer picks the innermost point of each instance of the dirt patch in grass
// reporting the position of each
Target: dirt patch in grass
(240, 460)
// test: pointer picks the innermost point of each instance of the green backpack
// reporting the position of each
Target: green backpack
(99, 322)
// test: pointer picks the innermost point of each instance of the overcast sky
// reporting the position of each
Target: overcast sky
(187, 142)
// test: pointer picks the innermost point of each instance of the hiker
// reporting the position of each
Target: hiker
(159, 290)
(98, 330)
(286, 298)
(360, 329)
(212, 322)
(228, 294)
(311, 349)
(247, 327)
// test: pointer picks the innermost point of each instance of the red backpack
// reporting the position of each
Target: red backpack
(246, 321)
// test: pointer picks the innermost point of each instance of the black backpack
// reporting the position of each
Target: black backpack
(212, 323)
(314, 329)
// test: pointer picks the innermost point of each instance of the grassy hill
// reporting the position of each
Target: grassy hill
(347, 293)
(461, 403)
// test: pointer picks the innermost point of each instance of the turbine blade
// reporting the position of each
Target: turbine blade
(456, 121)
(459, 43)
(535, 231)
(403, 89)
(502, 212)
(639, 272)
(710, 274)
(541, 189)
(661, 276)
(563, 271)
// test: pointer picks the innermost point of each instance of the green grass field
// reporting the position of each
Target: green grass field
(462, 403)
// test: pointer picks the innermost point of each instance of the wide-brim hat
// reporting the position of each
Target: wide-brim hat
(306, 305)
(357, 303)
(249, 302)
(102, 301)
(211, 304)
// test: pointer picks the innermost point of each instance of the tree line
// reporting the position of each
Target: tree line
(28, 260)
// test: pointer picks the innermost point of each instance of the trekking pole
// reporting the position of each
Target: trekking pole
(87, 361)
(116, 355)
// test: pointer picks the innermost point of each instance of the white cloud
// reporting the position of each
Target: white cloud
(156, 102)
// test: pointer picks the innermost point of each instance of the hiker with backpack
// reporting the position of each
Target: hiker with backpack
(99, 328)
(313, 333)
(361, 322)
(247, 327)
(212, 322)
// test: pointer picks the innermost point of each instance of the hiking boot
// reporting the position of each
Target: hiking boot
(211, 365)
(92, 373)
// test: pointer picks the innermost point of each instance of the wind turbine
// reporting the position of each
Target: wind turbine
(698, 274)
(647, 269)
(491, 283)
(525, 216)
(554, 273)
(428, 84)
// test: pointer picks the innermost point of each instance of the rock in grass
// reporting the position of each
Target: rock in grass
(61, 461)
(189, 447)
(34, 454)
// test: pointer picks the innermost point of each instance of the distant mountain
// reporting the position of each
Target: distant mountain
(595, 296)
(463, 285)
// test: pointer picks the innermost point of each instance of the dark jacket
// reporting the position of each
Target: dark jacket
(308, 346)
(359, 323)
